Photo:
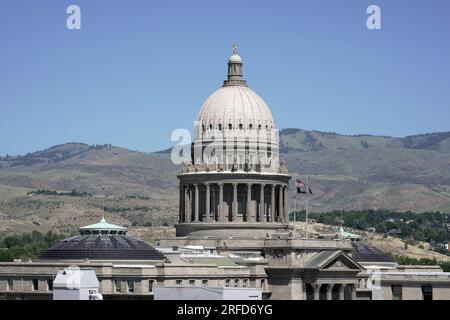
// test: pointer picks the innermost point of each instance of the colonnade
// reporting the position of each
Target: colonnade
(233, 202)
(331, 291)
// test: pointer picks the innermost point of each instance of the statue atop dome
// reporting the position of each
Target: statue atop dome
(235, 51)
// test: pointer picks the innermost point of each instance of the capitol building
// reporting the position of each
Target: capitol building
(233, 228)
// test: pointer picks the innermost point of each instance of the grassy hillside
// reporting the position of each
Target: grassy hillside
(140, 189)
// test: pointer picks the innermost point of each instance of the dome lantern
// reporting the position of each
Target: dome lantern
(235, 70)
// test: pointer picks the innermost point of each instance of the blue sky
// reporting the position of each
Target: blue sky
(139, 69)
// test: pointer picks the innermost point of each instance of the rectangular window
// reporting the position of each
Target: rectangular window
(130, 285)
(397, 292)
(151, 284)
(205, 283)
(192, 283)
(49, 284)
(236, 282)
(245, 283)
(117, 286)
(427, 292)
(10, 285)
(179, 282)
(34, 285)
(227, 282)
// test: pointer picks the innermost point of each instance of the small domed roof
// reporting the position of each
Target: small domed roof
(235, 58)
(102, 241)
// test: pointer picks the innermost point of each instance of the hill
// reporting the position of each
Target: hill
(140, 189)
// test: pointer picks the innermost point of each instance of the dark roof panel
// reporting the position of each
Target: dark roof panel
(363, 252)
(102, 247)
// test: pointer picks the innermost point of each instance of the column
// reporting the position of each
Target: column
(208, 203)
(316, 288)
(235, 202)
(262, 215)
(189, 203)
(221, 213)
(280, 203)
(196, 203)
(272, 205)
(341, 292)
(329, 292)
(249, 203)
(181, 219)
(286, 204)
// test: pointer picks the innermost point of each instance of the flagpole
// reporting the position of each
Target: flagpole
(295, 199)
(307, 205)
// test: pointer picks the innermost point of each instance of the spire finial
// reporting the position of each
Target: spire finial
(235, 51)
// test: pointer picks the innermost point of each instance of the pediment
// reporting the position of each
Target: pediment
(333, 260)
(341, 262)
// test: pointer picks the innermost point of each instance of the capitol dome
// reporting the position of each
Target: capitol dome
(235, 107)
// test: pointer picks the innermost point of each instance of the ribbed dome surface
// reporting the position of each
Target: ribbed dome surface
(102, 247)
(235, 105)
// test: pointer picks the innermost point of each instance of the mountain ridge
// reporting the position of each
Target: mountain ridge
(346, 172)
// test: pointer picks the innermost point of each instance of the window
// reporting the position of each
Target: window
(192, 282)
(236, 282)
(396, 292)
(151, 284)
(210, 126)
(49, 285)
(245, 283)
(220, 127)
(204, 283)
(240, 126)
(250, 126)
(179, 282)
(10, 285)
(227, 282)
(259, 127)
(35, 285)
(230, 126)
(427, 292)
(118, 285)
(130, 285)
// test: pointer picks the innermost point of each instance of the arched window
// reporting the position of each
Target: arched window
(210, 126)
(259, 127)
(250, 126)
(230, 126)
(220, 127)
(240, 126)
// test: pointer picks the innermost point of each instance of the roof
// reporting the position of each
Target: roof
(235, 105)
(345, 234)
(103, 225)
(363, 252)
(320, 258)
(332, 258)
(102, 247)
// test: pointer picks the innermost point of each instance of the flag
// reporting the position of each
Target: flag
(301, 186)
